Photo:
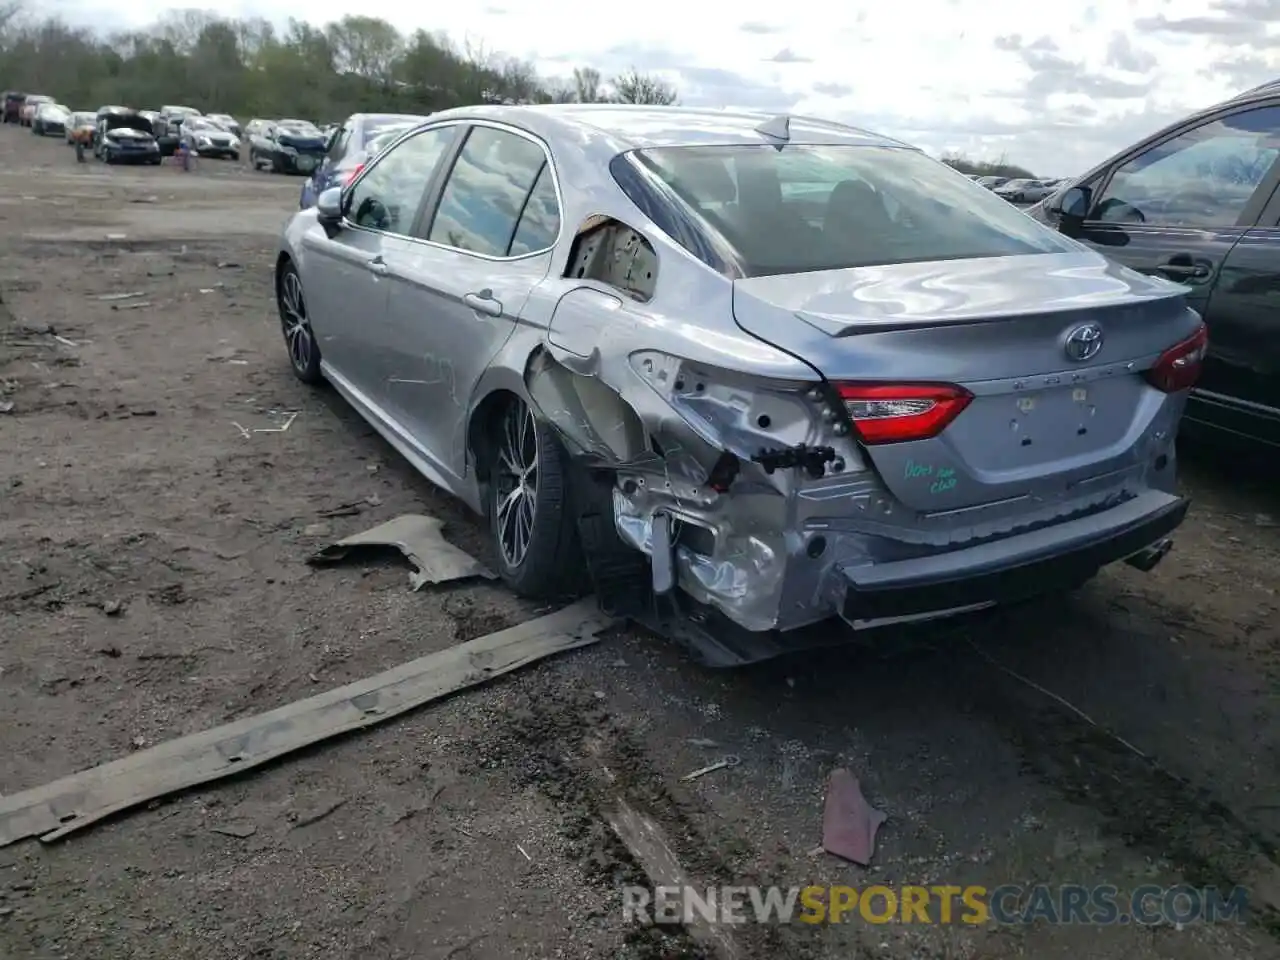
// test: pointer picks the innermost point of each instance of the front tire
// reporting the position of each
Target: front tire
(534, 529)
(295, 325)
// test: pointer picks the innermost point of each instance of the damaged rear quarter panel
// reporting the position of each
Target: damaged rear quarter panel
(659, 391)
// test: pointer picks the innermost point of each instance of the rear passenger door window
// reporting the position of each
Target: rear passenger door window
(539, 224)
(388, 196)
(483, 203)
(1204, 177)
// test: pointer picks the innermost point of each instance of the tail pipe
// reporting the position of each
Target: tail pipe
(1147, 558)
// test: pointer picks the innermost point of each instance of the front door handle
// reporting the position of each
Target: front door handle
(483, 302)
(1183, 266)
(378, 266)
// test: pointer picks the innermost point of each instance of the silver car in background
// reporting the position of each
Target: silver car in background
(749, 374)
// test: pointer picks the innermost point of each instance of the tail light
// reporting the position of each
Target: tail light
(1179, 367)
(353, 174)
(894, 413)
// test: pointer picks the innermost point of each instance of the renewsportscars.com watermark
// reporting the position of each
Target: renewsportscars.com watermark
(969, 905)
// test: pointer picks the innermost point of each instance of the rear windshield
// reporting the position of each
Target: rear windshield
(806, 208)
(380, 125)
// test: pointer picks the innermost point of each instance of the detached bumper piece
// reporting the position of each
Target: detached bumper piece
(1018, 567)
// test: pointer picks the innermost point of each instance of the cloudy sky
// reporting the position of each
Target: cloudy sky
(1055, 87)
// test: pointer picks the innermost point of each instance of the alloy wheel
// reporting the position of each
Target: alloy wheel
(294, 323)
(516, 483)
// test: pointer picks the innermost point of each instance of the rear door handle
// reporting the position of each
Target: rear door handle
(378, 266)
(483, 302)
(1183, 266)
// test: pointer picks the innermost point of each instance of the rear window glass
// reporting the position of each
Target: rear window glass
(805, 208)
(376, 128)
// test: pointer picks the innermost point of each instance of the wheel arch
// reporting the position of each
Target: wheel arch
(283, 259)
(496, 395)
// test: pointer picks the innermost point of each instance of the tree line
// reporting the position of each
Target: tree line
(988, 168)
(249, 67)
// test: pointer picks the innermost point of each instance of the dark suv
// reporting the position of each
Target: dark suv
(13, 101)
(1197, 203)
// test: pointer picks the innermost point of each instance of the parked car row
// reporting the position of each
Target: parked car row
(214, 135)
(1019, 190)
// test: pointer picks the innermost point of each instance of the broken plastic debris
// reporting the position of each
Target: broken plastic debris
(419, 538)
(849, 823)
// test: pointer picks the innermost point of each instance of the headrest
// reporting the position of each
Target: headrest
(707, 180)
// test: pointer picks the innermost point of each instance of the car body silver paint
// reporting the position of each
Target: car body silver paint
(703, 363)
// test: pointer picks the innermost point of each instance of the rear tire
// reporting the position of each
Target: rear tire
(533, 527)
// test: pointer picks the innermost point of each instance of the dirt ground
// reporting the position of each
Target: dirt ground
(475, 828)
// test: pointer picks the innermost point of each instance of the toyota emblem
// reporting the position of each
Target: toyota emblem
(1083, 343)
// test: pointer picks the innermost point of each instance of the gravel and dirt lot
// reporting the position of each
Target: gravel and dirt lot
(153, 583)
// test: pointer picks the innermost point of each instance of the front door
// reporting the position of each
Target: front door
(346, 298)
(1245, 356)
(1178, 210)
(483, 243)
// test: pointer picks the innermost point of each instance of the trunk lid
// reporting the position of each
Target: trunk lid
(1040, 420)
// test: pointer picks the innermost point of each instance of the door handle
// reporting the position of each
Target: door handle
(1183, 266)
(378, 266)
(483, 302)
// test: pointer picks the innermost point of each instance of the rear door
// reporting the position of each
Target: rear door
(1242, 372)
(1178, 208)
(485, 242)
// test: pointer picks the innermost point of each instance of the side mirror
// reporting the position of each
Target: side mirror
(329, 206)
(1073, 207)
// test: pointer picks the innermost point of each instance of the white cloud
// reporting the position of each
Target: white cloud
(1053, 92)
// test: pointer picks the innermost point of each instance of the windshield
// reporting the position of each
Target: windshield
(201, 124)
(298, 130)
(80, 118)
(807, 208)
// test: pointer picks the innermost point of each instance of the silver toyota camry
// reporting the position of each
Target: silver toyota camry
(742, 375)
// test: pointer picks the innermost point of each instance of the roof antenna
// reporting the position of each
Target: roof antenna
(779, 129)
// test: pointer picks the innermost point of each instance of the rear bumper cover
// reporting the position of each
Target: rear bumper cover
(1014, 568)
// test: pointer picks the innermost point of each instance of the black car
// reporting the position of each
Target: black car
(13, 101)
(1197, 203)
(125, 137)
(287, 146)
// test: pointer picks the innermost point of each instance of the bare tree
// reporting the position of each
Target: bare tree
(636, 87)
(586, 85)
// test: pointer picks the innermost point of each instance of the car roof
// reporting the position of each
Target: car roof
(617, 128)
(362, 118)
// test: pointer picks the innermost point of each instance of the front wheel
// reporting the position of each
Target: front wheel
(295, 325)
(235, 157)
(534, 529)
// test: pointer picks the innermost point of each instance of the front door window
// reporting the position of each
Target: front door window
(1201, 178)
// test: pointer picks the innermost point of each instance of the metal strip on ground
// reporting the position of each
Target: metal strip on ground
(73, 803)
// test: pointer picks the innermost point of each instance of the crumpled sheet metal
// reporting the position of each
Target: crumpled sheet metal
(849, 823)
(420, 539)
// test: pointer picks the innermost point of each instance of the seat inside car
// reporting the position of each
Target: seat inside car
(856, 221)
